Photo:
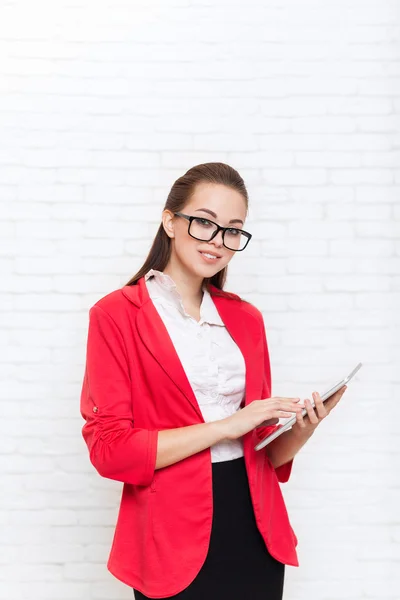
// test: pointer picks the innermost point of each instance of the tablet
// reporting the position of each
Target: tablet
(292, 420)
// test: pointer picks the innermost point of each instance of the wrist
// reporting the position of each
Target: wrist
(221, 429)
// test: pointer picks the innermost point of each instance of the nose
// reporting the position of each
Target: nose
(218, 239)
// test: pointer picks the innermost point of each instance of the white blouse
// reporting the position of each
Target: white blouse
(212, 361)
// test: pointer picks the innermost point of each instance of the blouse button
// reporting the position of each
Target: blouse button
(95, 409)
(214, 394)
(199, 335)
(212, 357)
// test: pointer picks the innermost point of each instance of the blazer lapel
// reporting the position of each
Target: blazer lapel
(244, 329)
(156, 338)
(246, 332)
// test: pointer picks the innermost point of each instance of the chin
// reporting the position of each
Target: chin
(210, 271)
(203, 270)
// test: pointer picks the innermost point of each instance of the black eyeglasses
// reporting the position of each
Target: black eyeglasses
(205, 230)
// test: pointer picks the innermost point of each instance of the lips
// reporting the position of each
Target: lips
(211, 254)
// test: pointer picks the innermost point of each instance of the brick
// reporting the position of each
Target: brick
(100, 112)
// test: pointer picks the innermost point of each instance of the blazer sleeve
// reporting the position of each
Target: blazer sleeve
(283, 471)
(117, 449)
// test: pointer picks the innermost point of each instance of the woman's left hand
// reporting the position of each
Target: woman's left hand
(308, 423)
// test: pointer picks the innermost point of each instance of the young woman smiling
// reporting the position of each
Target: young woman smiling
(176, 394)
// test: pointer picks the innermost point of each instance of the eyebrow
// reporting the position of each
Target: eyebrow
(210, 212)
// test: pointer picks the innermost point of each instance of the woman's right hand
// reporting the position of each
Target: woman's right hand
(257, 412)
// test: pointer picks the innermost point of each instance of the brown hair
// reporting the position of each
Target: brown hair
(180, 193)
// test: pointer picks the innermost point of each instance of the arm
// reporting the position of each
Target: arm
(285, 447)
(179, 443)
(117, 449)
(289, 443)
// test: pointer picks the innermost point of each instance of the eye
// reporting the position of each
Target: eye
(204, 222)
(234, 232)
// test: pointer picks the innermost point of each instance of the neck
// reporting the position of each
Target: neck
(188, 285)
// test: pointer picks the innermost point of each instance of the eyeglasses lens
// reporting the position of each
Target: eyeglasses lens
(202, 229)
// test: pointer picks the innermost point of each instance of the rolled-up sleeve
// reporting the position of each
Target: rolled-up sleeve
(283, 471)
(117, 449)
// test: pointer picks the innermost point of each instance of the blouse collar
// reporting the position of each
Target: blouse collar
(165, 288)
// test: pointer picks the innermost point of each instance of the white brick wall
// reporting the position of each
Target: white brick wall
(102, 106)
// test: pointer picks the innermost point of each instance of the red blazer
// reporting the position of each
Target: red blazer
(134, 385)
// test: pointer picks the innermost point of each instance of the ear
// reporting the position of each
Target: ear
(168, 223)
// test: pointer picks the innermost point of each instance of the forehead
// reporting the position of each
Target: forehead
(223, 200)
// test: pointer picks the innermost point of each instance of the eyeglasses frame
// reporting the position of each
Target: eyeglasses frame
(191, 218)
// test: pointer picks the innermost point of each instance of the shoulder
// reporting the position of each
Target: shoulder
(252, 310)
(110, 300)
(113, 305)
(239, 303)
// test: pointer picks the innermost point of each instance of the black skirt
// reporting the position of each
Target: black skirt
(238, 565)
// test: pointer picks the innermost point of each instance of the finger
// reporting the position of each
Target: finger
(285, 407)
(287, 400)
(291, 409)
(339, 393)
(300, 420)
(310, 411)
(283, 414)
(333, 400)
(290, 405)
(320, 408)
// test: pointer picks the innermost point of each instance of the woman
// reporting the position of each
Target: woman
(176, 394)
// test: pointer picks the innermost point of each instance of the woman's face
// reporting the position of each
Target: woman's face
(219, 203)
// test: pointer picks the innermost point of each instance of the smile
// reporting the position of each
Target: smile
(209, 256)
